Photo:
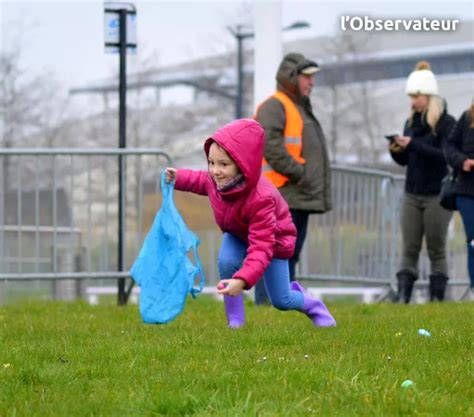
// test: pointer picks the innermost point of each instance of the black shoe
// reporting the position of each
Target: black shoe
(406, 280)
(438, 284)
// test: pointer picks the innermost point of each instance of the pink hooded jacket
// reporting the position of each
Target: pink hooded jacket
(256, 213)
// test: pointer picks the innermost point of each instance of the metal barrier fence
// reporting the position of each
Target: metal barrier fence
(59, 217)
(358, 241)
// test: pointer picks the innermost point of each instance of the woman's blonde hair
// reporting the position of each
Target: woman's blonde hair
(435, 108)
(432, 113)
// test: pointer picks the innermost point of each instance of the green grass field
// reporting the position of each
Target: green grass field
(60, 359)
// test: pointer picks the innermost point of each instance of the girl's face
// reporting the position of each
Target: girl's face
(419, 102)
(221, 166)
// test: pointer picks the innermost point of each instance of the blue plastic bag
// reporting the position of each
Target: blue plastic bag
(163, 269)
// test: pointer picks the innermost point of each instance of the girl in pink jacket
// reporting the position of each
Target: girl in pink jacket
(259, 236)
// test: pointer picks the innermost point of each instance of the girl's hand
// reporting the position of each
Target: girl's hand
(233, 286)
(403, 141)
(170, 174)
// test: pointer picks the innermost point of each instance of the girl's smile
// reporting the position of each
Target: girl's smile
(221, 166)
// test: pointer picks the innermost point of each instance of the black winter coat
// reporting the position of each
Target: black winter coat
(459, 147)
(424, 157)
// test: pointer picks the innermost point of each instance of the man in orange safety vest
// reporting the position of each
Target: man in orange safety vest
(296, 158)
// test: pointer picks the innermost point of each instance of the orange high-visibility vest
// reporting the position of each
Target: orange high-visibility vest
(293, 137)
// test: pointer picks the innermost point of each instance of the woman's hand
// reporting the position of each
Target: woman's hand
(170, 174)
(402, 141)
(395, 147)
(468, 165)
(233, 286)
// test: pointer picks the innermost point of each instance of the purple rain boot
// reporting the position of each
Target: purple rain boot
(234, 310)
(314, 308)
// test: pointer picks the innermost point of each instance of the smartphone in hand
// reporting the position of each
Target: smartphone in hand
(390, 138)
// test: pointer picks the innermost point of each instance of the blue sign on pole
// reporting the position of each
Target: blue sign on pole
(112, 27)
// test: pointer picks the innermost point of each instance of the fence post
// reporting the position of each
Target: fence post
(3, 263)
(64, 290)
(80, 284)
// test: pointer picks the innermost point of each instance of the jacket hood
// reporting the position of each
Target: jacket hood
(287, 74)
(243, 140)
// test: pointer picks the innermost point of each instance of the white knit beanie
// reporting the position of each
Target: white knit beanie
(422, 81)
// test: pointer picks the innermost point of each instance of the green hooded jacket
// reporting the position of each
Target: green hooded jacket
(309, 186)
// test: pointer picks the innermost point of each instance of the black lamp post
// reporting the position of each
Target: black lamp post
(122, 10)
(240, 36)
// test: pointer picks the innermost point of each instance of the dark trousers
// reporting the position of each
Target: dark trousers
(465, 205)
(422, 216)
(300, 219)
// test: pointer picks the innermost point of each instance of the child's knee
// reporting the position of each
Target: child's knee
(282, 304)
(227, 266)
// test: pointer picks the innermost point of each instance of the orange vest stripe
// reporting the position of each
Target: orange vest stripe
(292, 135)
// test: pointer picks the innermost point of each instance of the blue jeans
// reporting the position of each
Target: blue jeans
(276, 277)
(465, 206)
(300, 220)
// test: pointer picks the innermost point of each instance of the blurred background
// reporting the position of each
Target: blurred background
(55, 51)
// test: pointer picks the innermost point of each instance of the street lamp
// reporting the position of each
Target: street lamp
(117, 17)
(240, 35)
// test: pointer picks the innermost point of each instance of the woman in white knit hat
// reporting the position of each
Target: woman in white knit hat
(420, 149)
